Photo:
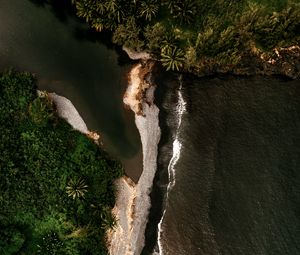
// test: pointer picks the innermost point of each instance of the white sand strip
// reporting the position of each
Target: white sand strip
(133, 203)
(67, 111)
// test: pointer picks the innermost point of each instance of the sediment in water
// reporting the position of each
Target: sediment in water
(133, 201)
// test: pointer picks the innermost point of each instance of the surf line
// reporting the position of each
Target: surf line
(180, 110)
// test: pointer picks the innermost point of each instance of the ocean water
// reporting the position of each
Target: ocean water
(229, 168)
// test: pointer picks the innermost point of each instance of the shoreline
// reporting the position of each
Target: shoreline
(133, 202)
(176, 153)
(67, 111)
(278, 62)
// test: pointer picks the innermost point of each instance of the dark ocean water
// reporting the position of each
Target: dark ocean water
(237, 180)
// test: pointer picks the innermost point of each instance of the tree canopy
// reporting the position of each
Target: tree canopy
(52, 178)
(217, 31)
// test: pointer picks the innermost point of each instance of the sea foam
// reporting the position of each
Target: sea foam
(180, 110)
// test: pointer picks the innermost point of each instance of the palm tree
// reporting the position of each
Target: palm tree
(148, 9)
(183, 10)
(76, 188)
(111, 5)
(98, 24)
(115, 10)
(172, 58)
(84, 10)
(109, 220)
(100, 7)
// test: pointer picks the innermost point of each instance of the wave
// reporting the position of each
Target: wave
(180, 110)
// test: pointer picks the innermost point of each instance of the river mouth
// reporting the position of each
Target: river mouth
(71, 60)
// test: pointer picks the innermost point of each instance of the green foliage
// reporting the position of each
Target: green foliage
(149, 9)
(155, 36)
(41, 158)
(185, 11)
(282, 26)
(40, 111)
(172, 58)
(213, 29)
(128, 35)
(109, 221)
(11, 240)
(76, 188)
(50, 244)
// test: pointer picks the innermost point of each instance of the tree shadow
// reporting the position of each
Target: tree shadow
(62, 9)
(39, 3)
(84, 33)
(123, 59)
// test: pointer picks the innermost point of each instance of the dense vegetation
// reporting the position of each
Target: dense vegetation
(56, 185)
(196, 34)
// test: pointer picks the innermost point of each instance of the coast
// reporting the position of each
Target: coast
(67, 111)
(284, 61)
(133, 201)
(58, 162)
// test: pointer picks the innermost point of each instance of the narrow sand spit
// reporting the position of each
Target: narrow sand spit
(133, 202)
(67, 111)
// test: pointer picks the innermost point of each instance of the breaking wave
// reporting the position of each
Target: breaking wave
(180, 110)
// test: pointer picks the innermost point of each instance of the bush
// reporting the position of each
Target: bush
(40, 153)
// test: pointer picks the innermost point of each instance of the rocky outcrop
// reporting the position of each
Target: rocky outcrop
(139, 82)
(134, 55)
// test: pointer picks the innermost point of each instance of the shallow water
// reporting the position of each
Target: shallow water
(237, 185)
(72, 61)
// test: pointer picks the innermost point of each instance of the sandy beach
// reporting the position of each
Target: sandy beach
(133, 201)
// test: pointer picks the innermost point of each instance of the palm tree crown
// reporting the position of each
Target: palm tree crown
(148, 9)
(76, 188)
(172, 58)
(183, 10)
